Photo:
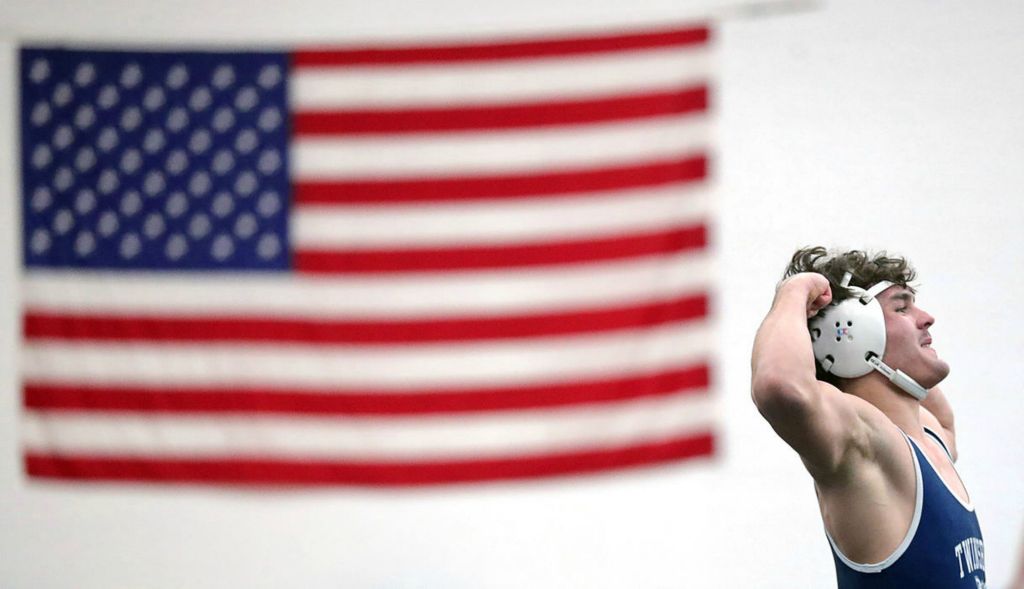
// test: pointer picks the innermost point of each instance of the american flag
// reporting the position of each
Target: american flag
(384, 265)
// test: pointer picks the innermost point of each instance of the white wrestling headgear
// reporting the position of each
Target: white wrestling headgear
(849, 338)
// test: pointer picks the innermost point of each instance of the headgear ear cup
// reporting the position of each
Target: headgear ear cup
(848, 338)
(844, 334)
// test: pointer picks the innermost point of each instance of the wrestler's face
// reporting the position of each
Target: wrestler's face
(908, 344)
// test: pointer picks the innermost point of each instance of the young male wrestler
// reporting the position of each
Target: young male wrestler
(868, 421)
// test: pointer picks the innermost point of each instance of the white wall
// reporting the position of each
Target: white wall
(896, 124)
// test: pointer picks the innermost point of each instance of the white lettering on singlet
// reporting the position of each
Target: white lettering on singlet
(970, 555)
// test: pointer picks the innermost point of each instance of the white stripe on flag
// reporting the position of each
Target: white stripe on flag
(470, 153)
(500, 222)
(367, 439)
(527, 80)
(400, 296)
(455, 366)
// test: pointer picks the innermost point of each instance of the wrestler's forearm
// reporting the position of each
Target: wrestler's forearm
(782, 363)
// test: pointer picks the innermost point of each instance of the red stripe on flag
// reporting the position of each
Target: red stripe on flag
(542, 254)
(689, 380)
(441, 189)
(378, 474)
(424, 120)
(242, 328)
(470, 52)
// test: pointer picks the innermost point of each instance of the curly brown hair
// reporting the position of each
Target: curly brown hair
(866, 269)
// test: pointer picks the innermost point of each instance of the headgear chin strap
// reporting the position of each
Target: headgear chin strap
(848, 338)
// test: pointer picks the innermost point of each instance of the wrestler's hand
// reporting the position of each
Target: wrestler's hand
(813, 286)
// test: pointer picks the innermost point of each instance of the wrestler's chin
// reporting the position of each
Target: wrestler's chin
(937, 371)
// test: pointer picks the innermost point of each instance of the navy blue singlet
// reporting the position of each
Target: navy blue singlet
(942, 550)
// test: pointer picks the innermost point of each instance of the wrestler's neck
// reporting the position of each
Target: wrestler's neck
(902, 409)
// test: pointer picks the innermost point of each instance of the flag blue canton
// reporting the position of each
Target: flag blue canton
(156, 161)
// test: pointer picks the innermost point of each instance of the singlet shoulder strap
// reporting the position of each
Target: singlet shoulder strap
(968, 504)
(941, 443)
